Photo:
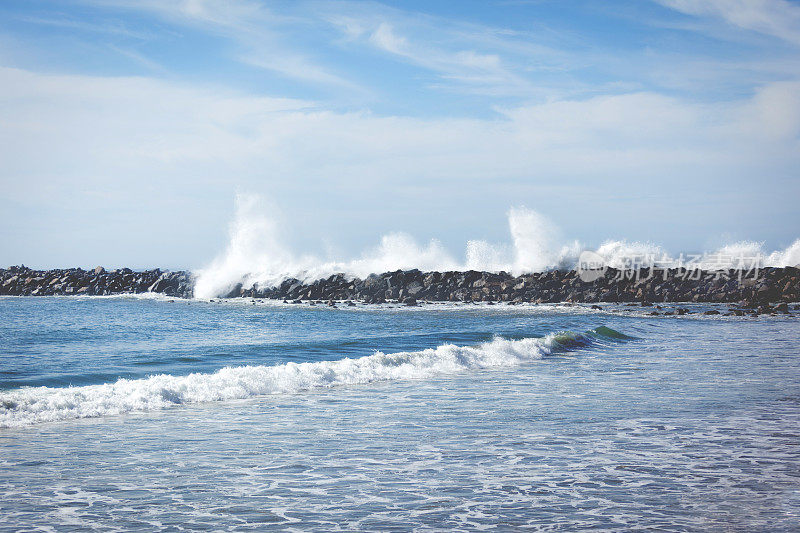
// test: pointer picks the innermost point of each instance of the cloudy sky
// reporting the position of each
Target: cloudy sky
(127, 127)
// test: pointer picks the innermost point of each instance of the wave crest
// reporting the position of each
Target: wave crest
(46, 404)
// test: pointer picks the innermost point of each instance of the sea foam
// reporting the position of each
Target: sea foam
(257, 253)
(33, 405)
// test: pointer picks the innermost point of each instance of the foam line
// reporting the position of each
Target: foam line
(33, 405)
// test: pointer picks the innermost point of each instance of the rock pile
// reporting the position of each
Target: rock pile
(23, 281)
(766, 287)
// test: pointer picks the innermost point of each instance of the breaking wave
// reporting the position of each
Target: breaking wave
(45, 404)
(258, 254)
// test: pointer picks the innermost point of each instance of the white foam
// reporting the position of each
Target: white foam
(747, 254)
(741, 254)
(787, 257)
(255, 252)
(618, 254)
(537, 243)
(44, 404)
(487, 257)
(258, 254)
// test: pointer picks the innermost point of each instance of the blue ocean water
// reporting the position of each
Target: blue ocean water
(135, 413)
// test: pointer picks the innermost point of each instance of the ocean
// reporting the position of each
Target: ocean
(147, 413)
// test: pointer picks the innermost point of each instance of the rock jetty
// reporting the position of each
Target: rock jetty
(763, 289)
(23, 281)
(770, 285)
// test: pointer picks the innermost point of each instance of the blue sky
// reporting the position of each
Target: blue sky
(127, 127)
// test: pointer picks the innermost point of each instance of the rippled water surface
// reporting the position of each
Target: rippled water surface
(476, 418)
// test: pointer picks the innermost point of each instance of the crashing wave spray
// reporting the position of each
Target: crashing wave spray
(738, 255)
(32, 405)
(781, 258)
(536, 243)
(257, 253)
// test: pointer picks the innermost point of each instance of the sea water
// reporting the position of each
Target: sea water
(146, 413)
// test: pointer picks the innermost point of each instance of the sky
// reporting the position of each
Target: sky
(129, 127)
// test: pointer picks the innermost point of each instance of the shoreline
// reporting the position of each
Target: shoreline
(765, 290)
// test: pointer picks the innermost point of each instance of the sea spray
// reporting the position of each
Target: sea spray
(258, 254)
(537, 243)
(255, 252)
(45, 404)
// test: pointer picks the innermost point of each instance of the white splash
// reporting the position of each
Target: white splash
(618, 254)
(255, 253)
(397, 250)
(737, 255)
(537, 243)
(484, 256)
(258, 254)
(750, 254)
(788, 257)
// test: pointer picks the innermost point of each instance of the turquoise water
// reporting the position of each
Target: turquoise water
(123, 413)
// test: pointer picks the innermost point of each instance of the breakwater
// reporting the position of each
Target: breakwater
(24, 281)
(762, 288)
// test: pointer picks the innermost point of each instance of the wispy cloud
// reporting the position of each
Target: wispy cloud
(383, 37)
(139, 58)
(776, 18)
(460, 56)
(109, 27)
(318, 44)
(259, 32)
(465, 66)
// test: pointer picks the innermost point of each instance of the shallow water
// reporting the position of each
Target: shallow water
(691, 424)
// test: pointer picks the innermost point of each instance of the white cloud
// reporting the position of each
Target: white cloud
(777, 18)
(258, 31)
(114, 143)
(464, 66)
(310, 42)
(384, 37)
(142, 121)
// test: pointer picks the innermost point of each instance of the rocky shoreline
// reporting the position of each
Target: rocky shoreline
(766, 290)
